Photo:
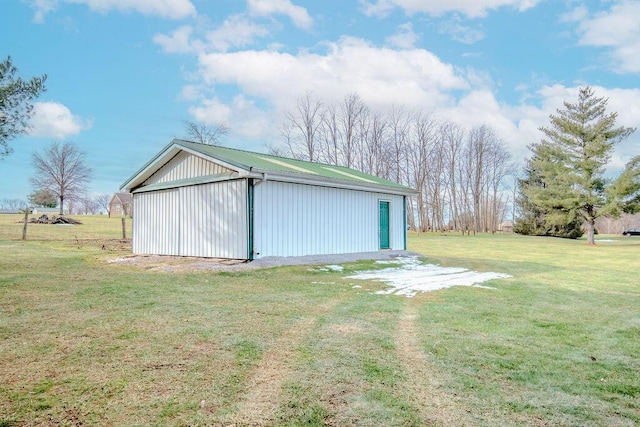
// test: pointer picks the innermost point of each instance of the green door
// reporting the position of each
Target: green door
(384, 225)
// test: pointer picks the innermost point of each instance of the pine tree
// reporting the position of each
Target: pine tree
(534, 220)
(16, 96)
(571, 161)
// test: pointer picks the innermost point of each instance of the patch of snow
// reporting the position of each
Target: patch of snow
(606, 240)
(331, 267)
(413, 277)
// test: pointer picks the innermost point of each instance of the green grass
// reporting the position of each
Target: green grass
(92, 227)
(83, 341)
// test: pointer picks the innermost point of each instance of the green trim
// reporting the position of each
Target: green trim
(250, 191)
(384, 224)
(404, 220)
(185, 182)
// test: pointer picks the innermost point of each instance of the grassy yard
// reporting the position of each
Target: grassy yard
(87, 342)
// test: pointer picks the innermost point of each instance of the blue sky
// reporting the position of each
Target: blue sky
(124, 75)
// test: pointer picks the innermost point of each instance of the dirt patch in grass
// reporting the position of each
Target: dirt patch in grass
(262, 399)
(117, 245)
(169, 263)
(346, 329)
(434, 405)
(176, 264)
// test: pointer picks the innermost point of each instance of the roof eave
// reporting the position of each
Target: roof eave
(329, 182)
(164, 156)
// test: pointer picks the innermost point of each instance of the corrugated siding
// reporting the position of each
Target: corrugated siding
(184, 166)
(294, 220)
(215, 220)
(156, 225)
(207, 220)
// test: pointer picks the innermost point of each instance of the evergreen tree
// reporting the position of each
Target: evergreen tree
(43, 198)
(16, 96)
(534, 220)
(571, 162)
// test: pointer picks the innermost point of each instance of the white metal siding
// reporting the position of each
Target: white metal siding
(184, 166)
(204, 220)
(156, 223)
(214, 220)
(294, 220)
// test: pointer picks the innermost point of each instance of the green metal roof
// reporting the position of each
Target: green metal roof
(251, 161)
(266, 163)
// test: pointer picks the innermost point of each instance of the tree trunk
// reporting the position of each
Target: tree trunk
(26, 221)
(591, 231)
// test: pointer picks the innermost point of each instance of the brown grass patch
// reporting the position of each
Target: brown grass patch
(263, 397)
(435, 406)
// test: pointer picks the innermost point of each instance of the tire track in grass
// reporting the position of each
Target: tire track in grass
(435, 406)
(264, 388)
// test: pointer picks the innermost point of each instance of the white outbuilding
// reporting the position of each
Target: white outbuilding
(202, 200)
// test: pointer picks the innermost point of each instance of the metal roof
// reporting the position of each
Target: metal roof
(250, 163)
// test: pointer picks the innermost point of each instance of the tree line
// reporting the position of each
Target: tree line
(460, 174)
(84, 205)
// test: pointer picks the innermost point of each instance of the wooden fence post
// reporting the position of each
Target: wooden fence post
(26, 221)
(124, 230)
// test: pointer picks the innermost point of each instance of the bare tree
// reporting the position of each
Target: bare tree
(423, 140)
(13, 204)
(453, 140)
(102, 202)
(61, 169)
(204, 134)
(351, 109)
(87, 206)
(302, 127)
(330, 136)
(399, 128)
(459, 175)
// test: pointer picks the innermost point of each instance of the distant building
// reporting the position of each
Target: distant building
(121, 204)
(201, 200)
(506, 227)
(45, 211)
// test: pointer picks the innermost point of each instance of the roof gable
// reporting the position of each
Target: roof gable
(259, 165)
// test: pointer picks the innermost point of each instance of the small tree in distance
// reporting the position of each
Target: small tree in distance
(204, 134)
(570, 163)
(44, 198)
(61, 169)
(102, 201)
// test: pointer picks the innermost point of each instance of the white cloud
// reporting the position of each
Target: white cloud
(42, 7)
(241, 115)
(411, 77)
(54, 120)
(297, 14)
(172, 9)
(381, 76)
(179, 41)
(190, 93)
(470, 8)
(578, 14)
(237, 31)
(404, 38)
(617, 29)
(459, 32)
